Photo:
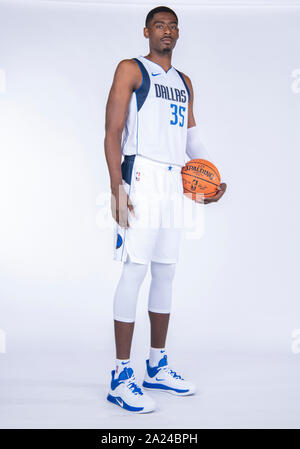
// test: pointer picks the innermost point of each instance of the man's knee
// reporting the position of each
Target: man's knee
(134, 272)
(163, 272)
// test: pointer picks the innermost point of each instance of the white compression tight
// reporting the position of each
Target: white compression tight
(160, 294)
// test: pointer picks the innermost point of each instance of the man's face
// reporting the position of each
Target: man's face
(162, 32)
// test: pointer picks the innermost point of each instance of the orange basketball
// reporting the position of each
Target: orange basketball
(200, 176)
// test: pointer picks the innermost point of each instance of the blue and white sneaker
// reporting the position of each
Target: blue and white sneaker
(125, 393)
(163, 378)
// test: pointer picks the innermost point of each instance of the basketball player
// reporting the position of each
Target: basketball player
(150, 121)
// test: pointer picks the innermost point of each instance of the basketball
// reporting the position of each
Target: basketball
(200, 176)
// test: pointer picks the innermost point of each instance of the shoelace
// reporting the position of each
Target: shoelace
(172, 372)
(133, 386)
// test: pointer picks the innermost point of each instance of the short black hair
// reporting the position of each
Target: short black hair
(156, 10)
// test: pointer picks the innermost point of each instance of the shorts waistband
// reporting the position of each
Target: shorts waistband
(158, 164)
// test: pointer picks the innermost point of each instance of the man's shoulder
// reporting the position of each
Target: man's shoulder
(128, 68)
(128, 71)
(129, 64)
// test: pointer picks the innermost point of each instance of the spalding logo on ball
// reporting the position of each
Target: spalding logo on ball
(200, 177)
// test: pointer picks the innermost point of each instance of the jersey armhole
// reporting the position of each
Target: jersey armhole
(138, 63)
(184, 82)
(143, 89)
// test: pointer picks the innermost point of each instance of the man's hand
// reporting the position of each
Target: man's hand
(120, 203)
(212, 199)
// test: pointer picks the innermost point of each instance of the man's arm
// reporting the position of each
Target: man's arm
(191, 118)
(195, 148)
(127, 78)
(199, 151)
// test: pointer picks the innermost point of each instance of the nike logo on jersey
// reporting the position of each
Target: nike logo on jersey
(124, 363)
(159, 379)
(155, 74)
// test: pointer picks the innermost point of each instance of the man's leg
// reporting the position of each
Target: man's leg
(124, 308)
(124, 389)
(123, 339)
(159, 376)
(159, 307)
(159, 327)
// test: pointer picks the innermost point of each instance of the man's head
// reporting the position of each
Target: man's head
(161, 28)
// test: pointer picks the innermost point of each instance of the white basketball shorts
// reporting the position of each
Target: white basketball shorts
(156, 192)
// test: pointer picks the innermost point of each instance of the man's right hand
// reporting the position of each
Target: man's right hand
(120, 203)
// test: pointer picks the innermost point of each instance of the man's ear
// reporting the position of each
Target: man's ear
(146, 32)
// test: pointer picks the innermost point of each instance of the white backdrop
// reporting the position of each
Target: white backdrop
(236, 315)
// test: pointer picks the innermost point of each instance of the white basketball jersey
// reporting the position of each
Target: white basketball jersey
(156, 122)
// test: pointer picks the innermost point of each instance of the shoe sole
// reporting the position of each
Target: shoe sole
(175, 393)
(128, 408)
